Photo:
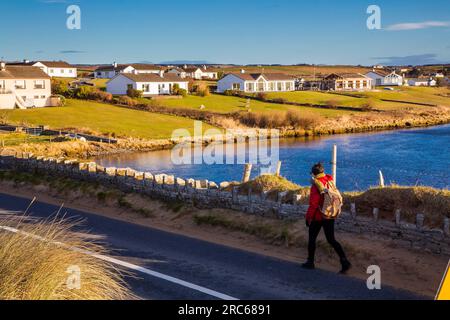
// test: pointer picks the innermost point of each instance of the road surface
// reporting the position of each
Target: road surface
(174, 267)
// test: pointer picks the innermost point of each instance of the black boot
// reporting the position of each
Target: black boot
(309, 265)
(346, 266)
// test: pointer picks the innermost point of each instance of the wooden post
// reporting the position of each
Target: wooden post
(247, 173)
(334, 164)
(278, 172)
(381, 179)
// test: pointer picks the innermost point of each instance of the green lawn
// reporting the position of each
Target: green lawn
(100, 83)
(408, 94)
(226, 104)
(104, 119)
(16, 138)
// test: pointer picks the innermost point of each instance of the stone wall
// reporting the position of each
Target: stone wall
(206, 194)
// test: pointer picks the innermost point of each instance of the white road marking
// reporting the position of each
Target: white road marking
(129, 266)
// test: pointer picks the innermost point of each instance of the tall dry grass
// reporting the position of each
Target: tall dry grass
(32, 268)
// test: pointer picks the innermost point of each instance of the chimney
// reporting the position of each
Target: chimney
(26, 61)
(161, 73)
(2, 66)
(242, 71)
(115, 64)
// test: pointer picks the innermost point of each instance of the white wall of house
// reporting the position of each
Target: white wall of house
(230, 82)
(391, 79)
(34, 92)
(105, 74)
(57, 72)
(119, 86)
(422, 83)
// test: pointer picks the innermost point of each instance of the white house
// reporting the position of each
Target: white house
(347, 82)
(383, 78)
(422, 82)
(148, 83)
(177, 71)
(256, 82)
(24, 87)
(109, 72)
(59, 69)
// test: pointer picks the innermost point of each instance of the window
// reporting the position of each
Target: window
(62, 71)
(70, 71)
(24, 98)
(2, 84)
(236, 86)
(52, 71)
(20, 84)
(271, 86)
(146, 87)
(39, 84)
(280, 86)
(36, 97)
(250, 87)
(43, 97)
(261, 85)
(350, 84)
(358, 83)
(288, 86)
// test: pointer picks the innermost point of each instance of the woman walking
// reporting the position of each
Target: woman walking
(316, 221)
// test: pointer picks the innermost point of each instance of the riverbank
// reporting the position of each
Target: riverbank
(358, 123)
(409, 269)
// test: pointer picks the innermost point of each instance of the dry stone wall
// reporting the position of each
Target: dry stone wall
(205, 194)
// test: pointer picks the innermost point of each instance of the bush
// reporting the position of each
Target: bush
(202, 90)
(261, 96)
(133, 93)
(60, 88)
(127, 101)
(369, 105)
(176, 90)
(279, 100)
(101, 96)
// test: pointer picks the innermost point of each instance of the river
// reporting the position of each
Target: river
(406, 157)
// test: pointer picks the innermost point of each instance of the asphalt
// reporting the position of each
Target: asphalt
(236, 273)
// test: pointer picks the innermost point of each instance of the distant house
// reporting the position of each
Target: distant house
(60, 69)
(438, 75)
(256, 82)
(198, 73)
(177, 71)
(422, 82)
(149, 83)
(24, 87)
(347, 82)
(109, 72)
(385, 78)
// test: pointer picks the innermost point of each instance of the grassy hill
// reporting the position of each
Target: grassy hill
(103, 119)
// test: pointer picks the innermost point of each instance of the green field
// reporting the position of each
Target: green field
(432, 96)
(102, 119)
(225, 104)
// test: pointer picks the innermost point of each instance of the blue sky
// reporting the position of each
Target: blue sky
(227, 31)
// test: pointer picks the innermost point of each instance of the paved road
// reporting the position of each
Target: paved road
(225, 270)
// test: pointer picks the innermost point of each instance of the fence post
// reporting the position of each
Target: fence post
(278, 173)
(381, 179)
(334, 164)
(247, 173)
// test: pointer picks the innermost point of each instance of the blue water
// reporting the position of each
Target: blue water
(406, 157)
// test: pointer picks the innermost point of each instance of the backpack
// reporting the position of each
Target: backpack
(333, 202)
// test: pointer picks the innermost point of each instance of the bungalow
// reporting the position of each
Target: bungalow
(59, 69)
(422, 82)
(347, 81)
(194, 73)
(385, 78)
(109, 72)
(148, 83)
(24, 87)
(256, 82)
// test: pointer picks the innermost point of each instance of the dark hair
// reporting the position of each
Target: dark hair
(317, 169)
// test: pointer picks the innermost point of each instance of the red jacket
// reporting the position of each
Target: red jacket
(316, 200)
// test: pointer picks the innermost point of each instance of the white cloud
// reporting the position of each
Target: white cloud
(418, 25)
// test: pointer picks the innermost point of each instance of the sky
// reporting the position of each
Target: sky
(227, 31)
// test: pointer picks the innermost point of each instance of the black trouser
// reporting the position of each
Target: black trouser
(328, 228)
